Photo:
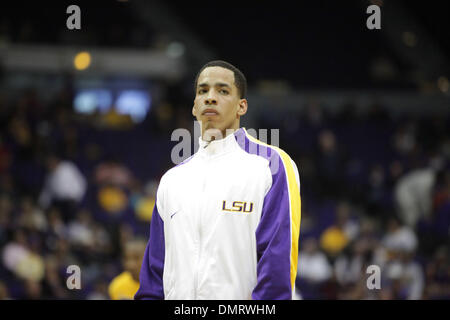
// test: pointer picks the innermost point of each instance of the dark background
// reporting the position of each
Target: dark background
(363, 113)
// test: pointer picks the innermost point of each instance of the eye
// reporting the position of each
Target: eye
(223, 91)
(201, 91)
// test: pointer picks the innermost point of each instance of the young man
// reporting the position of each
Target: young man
(226, 221)
(125, 285)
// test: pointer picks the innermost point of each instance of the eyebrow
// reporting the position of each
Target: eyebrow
(218, 84)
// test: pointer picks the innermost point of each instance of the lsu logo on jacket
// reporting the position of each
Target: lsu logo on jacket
(237, 206)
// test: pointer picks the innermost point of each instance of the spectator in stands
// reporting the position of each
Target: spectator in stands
(413, 279)
(56, 227)
(352, 262)
(434, 229)
(20, 258)
(81, 232)
(399, 238)
(20, 137)
(314, 269)
(126, 284)
(378, 194)
(403, 277)
(336, 237)
(103, 247)
(64, 186)
(329, 161)
(100, 290)
(413, 193)
(65, 255)
(53, 285)
(112, 172)
(438, 275)
(405, 138)
(33, 290)
(31, 218)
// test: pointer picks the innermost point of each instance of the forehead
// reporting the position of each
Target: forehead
(211, 75)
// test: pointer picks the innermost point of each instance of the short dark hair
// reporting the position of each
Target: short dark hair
(239, 79)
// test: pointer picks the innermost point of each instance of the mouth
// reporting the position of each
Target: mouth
(210, 112)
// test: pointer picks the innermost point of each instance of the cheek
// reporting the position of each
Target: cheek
(195, 108)
(232, 109)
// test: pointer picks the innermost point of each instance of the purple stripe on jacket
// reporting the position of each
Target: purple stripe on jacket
(151, 275)
(273, 234)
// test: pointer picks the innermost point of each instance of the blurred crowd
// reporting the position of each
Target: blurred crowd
(67, 198)
(79, 190)
(376, 192)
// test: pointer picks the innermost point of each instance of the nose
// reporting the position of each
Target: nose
(210, 99)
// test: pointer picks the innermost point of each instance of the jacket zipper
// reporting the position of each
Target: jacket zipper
(199, 221)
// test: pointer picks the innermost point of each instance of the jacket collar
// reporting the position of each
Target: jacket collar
(218, 147)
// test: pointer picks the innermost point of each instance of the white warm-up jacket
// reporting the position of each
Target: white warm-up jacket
(225, 225)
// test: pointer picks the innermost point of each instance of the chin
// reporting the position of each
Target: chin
(210, 118)
(210, 124)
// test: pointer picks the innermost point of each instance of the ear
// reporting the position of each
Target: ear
(243, 105)
(193, 110)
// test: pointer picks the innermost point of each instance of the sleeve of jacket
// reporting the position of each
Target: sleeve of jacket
(151, 275)
(278, 231)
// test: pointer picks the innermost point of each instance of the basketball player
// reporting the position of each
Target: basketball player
(226, 220)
